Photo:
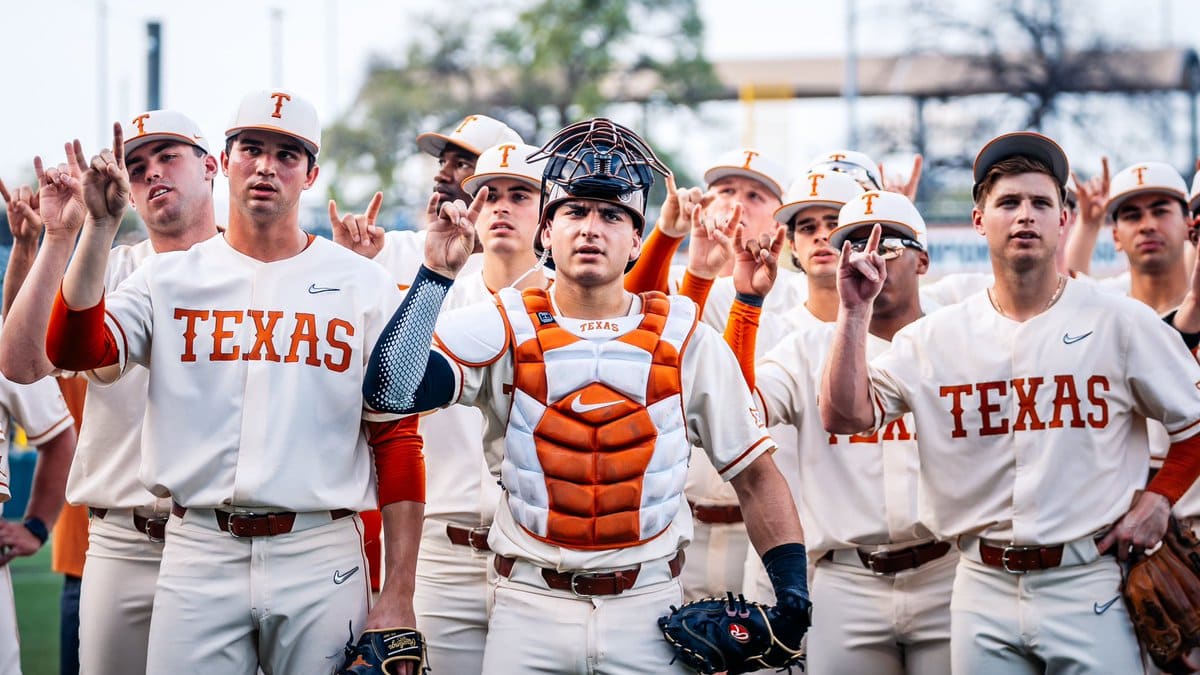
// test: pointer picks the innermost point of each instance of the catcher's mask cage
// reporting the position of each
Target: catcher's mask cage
(600, 160)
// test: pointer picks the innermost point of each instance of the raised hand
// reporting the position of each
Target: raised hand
(1093, 196)
(24, 221)
(450, 233)
(909, 187)
(675, 219)
(106, 181)
(861, 273)
(358, 232)
(756, 262)
(60, 196)
(711, 245)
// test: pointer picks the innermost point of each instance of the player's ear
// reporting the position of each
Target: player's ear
(224, 164)
(312, 176)
(1116, 240)
(636, 251)
(922, 262)
(210, 167)
(977, 220)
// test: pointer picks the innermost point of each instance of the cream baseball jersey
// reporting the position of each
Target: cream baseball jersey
(850, 490)
(1035, 432)
(40, 410)
(256, 369)
(110, 437)
(711, 409)
(403, 252)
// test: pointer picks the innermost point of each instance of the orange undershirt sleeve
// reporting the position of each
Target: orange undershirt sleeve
(79, 340)
(741, 333)
(1179, 470)
(652, 270)
(399, 461)
(697, 289)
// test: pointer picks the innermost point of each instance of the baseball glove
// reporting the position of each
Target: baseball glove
(382, 651)
(1162, 592)
(734, 635)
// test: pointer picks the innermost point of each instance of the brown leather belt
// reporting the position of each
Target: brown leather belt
(590, 583)
(154, 528)
(899, 560)
(475, 537)
(258, 524)
(716, 514)
(1022, 558)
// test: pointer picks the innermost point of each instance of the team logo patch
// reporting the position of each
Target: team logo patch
(738, 632)
(545, 317)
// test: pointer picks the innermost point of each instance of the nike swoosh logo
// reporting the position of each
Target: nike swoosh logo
(1100, 609)
(339, 578)
(580, 407)
(314, 289)
(1068, 339)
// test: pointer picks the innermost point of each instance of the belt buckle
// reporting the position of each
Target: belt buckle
(479, 531)
(156, 524)
(1010, 549)
(239, 516)
(574, 590)
(874, 557)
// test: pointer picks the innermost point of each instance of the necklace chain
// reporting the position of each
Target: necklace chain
(1062, 284)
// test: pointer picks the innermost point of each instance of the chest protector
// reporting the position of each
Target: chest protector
(596, 449)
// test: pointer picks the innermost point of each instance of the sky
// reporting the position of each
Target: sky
(84, 63)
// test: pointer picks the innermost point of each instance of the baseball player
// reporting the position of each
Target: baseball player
(461, 495)
(254, 426)
(1029, 403)
(457, 151)
(40, 410)
(593, 398)
(857, 495)
(752, 183)
(171, 178)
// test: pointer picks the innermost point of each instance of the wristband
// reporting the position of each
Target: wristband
(37, 528)
(747, 299)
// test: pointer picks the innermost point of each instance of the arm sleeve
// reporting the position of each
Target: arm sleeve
(697, 289)
(399, 462)
(653, 266)
(403, 375)
(79, 340)
(1179, 470)
(741, 333)
(1163, 375)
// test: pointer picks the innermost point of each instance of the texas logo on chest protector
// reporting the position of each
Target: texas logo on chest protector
(596, 447)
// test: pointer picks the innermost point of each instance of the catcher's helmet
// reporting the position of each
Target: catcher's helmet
(596, 159)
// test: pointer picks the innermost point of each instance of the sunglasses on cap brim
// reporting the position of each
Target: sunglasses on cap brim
(889, 247)
(855, 171)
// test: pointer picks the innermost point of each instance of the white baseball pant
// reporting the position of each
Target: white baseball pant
(287, 603)
(116, 596)
(10, 638)
(451, 600)
(716, 559)
(1067, 620)
(535, 629)
(886, 624)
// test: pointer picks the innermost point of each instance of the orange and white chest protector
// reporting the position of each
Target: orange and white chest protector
(596, 449)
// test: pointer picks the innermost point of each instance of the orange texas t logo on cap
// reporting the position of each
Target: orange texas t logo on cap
(870, 199)
(1139, 170)
(140, 122)
(279, 97)
(750, 154)
(815, 180)
(467, 120)
(504, 150)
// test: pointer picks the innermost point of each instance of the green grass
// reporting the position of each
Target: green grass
(37, 590)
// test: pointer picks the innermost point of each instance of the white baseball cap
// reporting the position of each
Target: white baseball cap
(166, 125)
(282, 112)
(1021, 143)
(1144, 177)
(857, 164)
(892, 210)
(475, 133)
(817, 188)
(506, 160)
(748, 163)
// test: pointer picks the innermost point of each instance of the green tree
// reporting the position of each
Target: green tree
(556, 61)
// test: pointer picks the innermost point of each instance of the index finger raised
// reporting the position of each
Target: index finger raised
(373, 207)
(119, 144)
(334, 219)
(4, 192)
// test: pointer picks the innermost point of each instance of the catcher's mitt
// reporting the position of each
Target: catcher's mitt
(1162, 593)
(382, 651)
(734, 635)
